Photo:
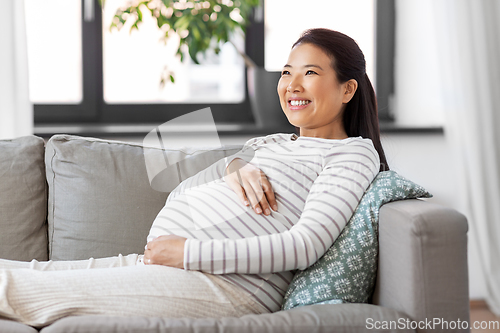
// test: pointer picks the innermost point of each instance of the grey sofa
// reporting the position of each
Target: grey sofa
(64, 199)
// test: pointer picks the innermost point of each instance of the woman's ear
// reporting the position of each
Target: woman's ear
(350, 88)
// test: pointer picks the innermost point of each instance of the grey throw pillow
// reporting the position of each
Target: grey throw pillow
(100, 200)
(23, 199)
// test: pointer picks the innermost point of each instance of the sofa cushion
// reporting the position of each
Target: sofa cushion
(23, 199)
(347, 271)
(9, 326)
(101, 202)
(315, 318)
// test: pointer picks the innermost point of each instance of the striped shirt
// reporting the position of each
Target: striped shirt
(317, 183)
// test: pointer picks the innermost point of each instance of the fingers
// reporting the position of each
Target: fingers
(252, 188)
(148, 254)
(165, 250)
(238, 189)
(269, 193)
(265, 194)
(248, 193)
(262, 196)
(254, 194)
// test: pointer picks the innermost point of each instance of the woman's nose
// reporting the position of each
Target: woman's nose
(294, 86)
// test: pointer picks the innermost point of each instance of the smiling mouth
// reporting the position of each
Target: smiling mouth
(297, 104)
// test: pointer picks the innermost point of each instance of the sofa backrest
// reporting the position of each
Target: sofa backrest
(23, 199)
(100, 201)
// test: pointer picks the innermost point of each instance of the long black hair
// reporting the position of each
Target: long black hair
(360, 116)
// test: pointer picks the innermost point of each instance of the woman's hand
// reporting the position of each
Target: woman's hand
(165, 250)
(251, 186)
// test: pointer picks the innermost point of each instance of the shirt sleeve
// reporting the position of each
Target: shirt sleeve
(329, 205)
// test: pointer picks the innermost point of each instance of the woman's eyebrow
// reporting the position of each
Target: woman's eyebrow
(305, 66)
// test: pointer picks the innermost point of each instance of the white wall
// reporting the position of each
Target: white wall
(425, 159)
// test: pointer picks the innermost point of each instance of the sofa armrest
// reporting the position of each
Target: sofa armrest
(423, 261)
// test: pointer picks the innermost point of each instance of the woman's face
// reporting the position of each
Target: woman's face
(310, 94)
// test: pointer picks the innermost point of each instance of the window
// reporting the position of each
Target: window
(134, 62)
(56, 70)
(82, 73)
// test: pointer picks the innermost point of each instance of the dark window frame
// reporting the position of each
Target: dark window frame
(94, 111)
(385, 38)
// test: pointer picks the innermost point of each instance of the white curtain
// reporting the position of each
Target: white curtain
(16, 111)
(468, 33)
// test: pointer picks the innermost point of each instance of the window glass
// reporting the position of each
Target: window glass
(285, 23)
(136, 61)
(54, 33)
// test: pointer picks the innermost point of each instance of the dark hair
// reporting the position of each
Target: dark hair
(360, 116)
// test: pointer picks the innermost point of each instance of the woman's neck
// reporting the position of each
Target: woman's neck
(337, 134)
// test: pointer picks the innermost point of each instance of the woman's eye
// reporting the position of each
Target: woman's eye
(310, 72)
(285, 73)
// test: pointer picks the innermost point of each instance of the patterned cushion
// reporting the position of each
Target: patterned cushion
(346, 273)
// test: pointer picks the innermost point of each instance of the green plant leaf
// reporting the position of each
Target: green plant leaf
(193, 50)
(182, 24)
(139, 14)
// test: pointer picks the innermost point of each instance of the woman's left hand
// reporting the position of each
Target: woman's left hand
(165, 250)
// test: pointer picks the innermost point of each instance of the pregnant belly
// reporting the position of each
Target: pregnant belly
(214, 211)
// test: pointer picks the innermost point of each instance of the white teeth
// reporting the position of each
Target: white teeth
(299, 102)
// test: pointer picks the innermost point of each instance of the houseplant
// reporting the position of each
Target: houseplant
(204, 25)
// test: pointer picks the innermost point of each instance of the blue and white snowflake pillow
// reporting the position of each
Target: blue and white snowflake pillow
(346, 272)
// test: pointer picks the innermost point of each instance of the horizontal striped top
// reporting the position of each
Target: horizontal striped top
(317, 183)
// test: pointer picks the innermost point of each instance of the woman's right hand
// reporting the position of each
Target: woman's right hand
(251, 185)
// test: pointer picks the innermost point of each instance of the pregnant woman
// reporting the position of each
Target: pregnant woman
(230, 238)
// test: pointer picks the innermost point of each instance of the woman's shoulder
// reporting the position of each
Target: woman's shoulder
(359, 142)
(354, 148)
